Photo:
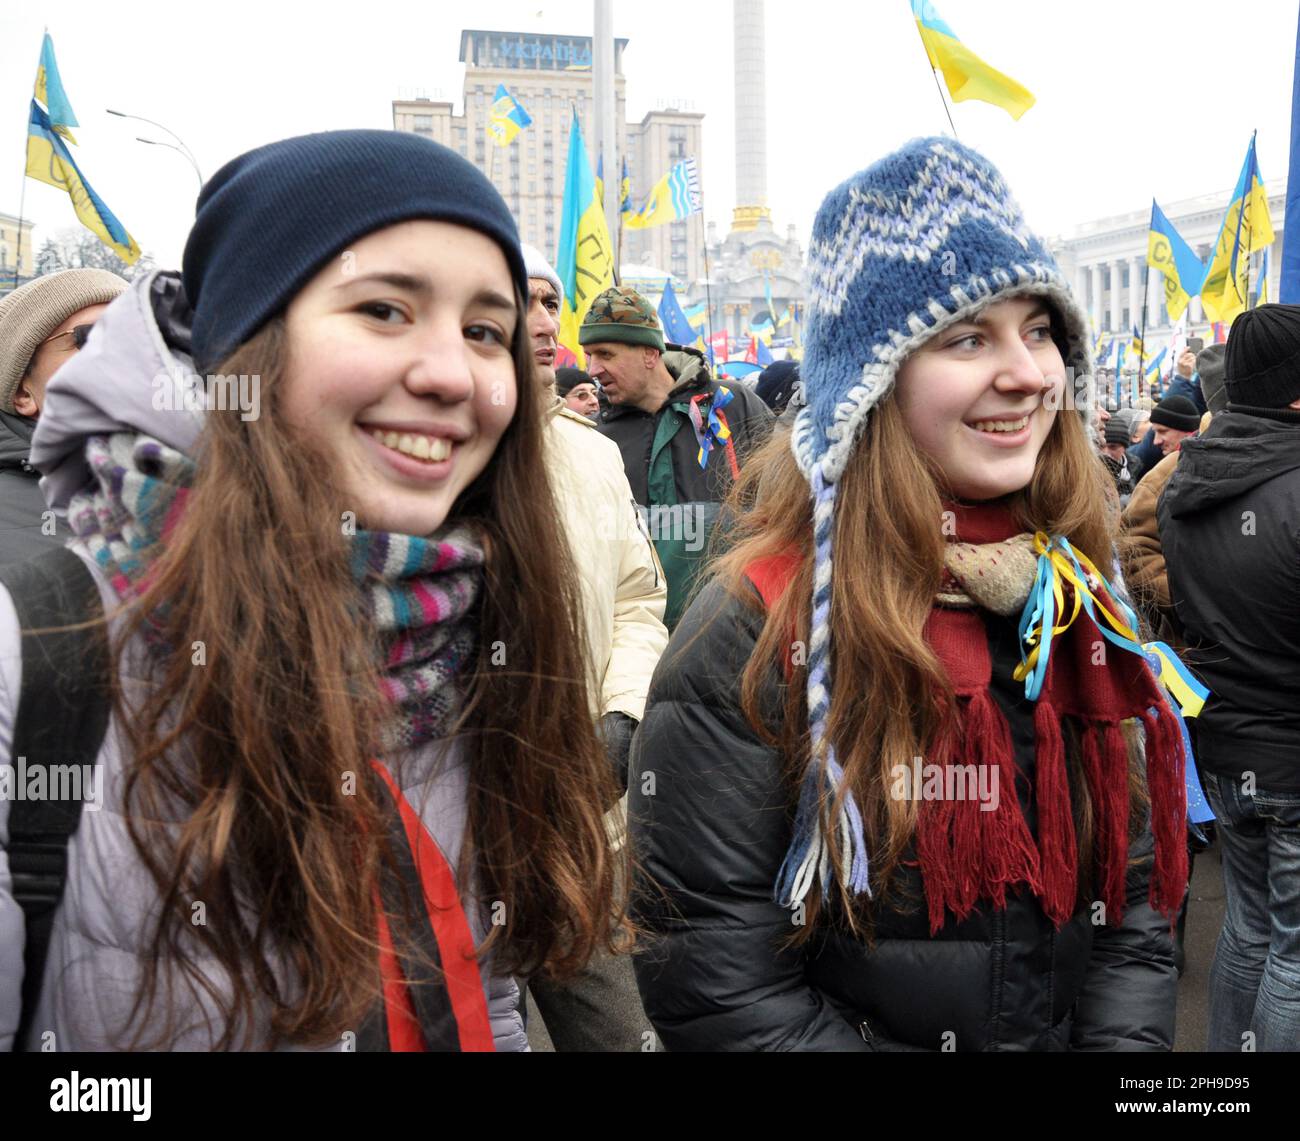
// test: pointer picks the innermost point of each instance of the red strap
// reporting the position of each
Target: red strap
(403, 1027)
(731, 450)
(450, 928)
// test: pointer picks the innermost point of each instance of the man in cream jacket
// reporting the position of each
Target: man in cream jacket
(624, 594)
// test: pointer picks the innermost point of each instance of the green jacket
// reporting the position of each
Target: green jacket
(680, 500)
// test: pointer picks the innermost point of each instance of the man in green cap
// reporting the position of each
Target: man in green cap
(682, 435)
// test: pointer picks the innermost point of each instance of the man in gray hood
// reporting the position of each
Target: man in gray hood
(42, 326)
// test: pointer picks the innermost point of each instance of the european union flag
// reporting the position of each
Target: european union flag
(677, 328)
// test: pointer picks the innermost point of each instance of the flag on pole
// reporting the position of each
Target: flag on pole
(1263, 277)
(698, 316)
(1289, 286)
(1247, 229)
(1138, 348)
(719, 346)
(507, 118)
(625, 190)
(675, 196)
(966, 75)
(677, 328)
(49, 90)
(49, 160)
(1153, 365)
(584, 257)
(1173, 257)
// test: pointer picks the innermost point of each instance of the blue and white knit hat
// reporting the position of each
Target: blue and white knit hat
(921, 240)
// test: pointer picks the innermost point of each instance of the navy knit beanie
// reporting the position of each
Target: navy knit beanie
(268, 220)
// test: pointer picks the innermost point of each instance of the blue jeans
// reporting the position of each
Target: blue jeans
(1255, 979)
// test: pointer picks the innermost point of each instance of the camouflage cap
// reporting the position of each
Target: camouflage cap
(621, 314)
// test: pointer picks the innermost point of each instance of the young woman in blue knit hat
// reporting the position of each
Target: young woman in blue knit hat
(343, 798)
(905, 780)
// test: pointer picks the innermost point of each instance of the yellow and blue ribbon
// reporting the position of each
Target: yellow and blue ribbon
(713, 430)
(1060, 563)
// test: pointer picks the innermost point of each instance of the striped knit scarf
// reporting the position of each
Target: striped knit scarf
(418, 591)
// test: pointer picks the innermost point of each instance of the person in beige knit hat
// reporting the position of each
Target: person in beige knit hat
(42, 325)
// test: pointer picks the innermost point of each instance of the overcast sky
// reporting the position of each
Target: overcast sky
(1135, 97)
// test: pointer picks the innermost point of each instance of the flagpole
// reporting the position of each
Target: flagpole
(943, 99)
(1142, 336)
(708, 285)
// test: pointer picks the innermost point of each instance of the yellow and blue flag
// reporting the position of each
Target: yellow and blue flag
(1173, 257)
(625, 190)
(49, 90)
(1153, 365)
(507, 119)
(967, 76)
(49, 160)
(1247, 229)
(1263, 280)
(675, 196)
(584, 258)
(1137, 347)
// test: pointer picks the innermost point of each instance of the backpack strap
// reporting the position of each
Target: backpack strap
(63, 712)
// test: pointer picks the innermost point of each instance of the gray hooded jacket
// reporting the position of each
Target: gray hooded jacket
(100, 929)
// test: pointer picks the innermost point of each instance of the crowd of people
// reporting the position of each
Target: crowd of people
(440, 683)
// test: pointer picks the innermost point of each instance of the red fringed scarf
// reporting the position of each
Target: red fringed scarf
(966, 854)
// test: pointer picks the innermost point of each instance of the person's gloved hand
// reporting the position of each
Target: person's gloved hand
(615, 731)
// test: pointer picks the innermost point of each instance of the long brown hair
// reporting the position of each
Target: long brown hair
(246, 787)
(889, 545)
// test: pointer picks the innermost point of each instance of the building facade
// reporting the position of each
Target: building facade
(11, 270)
(1106, 260)
(550, 75)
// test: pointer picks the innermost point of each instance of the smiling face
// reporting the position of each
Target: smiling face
(582, 399)
(543, 325)
(974, 397)
(399, 366)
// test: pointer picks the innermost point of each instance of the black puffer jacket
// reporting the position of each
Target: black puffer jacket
(711, 824)
(1230, 530)
(26, 529)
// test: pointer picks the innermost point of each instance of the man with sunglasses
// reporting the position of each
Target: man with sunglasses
(42, 325)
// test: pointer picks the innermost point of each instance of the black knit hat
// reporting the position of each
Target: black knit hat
(268, 220)
(1263, 358)
(1118, 430)
(776, 384)
(567, 379)
(1176, 412)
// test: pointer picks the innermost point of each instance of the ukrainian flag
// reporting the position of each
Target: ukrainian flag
(1263, 280)
(967, 76)
(625, 191)
(1247, 229)
(1173, 257)
(675, 196)
(508, 118)
(49, 90)
(1153, 365)
(48, 160)
(584, 258)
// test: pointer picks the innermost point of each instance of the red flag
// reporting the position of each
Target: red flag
(719, 345)
(751, 353)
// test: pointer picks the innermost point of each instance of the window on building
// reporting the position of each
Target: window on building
(1123, 275)
(532, 188)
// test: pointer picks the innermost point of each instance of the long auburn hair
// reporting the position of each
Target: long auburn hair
(889, 547)
(247, 783)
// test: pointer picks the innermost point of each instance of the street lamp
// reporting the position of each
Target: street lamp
(180, 149)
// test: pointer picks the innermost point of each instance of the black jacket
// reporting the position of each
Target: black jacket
(25, 527)
(710, 823)
(1230, 529)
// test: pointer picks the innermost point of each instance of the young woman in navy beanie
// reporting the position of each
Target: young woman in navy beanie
(906, 771)
(344, 800)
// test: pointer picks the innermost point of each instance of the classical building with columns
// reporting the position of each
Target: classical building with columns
(1106, 261)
